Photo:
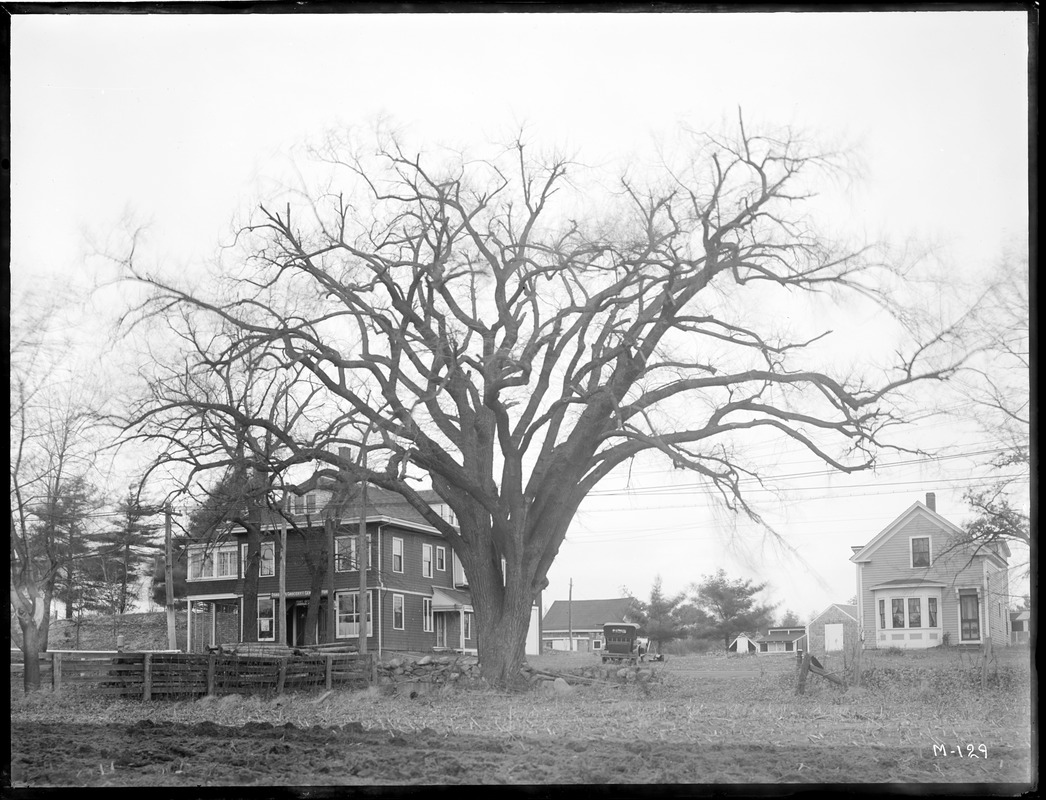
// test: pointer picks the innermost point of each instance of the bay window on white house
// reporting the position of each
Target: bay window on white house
(911, 620)
(908, 612)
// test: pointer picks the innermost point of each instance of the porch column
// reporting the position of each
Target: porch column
(461, 627)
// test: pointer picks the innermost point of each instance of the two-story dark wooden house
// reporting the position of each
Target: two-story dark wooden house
(418, 592)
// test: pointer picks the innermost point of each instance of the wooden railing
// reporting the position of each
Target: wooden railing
(174, 674)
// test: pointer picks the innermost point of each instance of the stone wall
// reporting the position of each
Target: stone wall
(421, 674)
(429, 669)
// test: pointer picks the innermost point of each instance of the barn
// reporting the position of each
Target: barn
(834, 630)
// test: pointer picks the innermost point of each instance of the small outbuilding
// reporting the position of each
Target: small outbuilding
(743, 643)
(1020, 626)
(834, 630)
(781, 640)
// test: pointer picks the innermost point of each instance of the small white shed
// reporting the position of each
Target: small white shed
(742, 643)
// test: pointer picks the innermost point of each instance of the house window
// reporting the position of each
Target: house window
(397, 612)
(898, 613)
(907, 612)
(426, 614)
(446, 514)
(227, 564)
(426, 560)
(468, 626)
(201, 565)
(397, 554)
(969, 617)
(267, 568)
(915, 608)
(597, 644)
(211, 564)
(349, 615)
(441, 559)
(305, 504)
(266, 619)
(345, 553)
(921, 551)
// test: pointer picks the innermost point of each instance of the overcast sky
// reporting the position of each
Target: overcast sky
(183, 121)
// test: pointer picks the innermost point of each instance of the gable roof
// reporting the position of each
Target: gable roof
(343, 502)
(846, 608)
(918, 508)
(781, 635)
(585, 615)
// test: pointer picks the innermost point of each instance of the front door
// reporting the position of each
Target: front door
(833, 637)
(969, 618)
(296, 615)
(441, 629)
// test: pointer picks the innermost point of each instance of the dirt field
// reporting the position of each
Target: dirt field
(705, 721)
(205, 754)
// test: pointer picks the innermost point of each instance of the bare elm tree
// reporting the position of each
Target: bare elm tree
(512, 330)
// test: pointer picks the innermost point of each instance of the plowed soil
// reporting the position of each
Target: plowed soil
(207, 754)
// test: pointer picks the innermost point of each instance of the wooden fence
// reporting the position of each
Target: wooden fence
(174, 674)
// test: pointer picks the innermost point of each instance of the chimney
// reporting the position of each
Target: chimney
(931, 501)
(345, 452)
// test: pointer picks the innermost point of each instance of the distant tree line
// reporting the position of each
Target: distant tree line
(707, 615)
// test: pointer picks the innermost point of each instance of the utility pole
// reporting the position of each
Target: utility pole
(168, 578)
(281, 616)
(332, 608)
(570, 618)
(362, 551)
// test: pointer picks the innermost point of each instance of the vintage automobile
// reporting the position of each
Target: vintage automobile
(621, 642)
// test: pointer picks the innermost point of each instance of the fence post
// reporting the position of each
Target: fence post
(805, 668)
(147, 677)
(211, 660)
(329, 670)
(373, 669)
(282, 676)
(56, 671)
(857, 660)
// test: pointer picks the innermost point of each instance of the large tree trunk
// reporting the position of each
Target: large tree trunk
(250, 584)
(316, 561)
(502, 619)
(123, 578)
(33, 607)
